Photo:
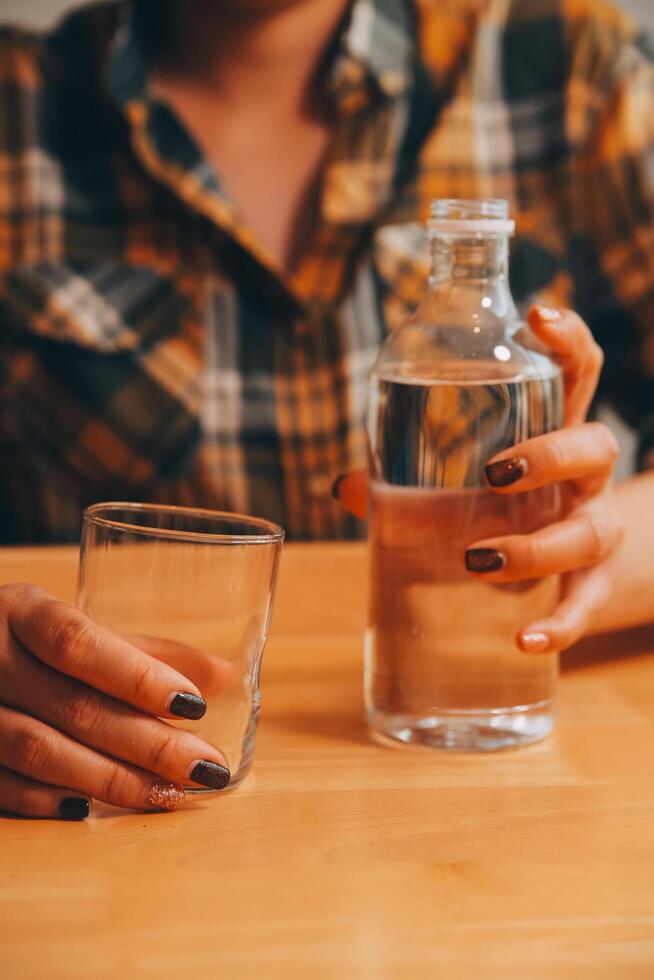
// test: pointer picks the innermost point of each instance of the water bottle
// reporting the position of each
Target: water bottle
(460, 380)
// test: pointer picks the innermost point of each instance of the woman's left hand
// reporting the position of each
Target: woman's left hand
(582, 546)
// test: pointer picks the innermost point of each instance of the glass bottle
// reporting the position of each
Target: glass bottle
(460, 380)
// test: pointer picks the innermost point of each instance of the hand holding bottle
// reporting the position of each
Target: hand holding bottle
(581, 457)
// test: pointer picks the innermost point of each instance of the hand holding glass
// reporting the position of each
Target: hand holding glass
(193, 588)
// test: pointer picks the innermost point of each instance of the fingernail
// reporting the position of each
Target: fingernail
(534, 642)
(505, 471)
(336, 486)
(74, 808)
(188, 706)
(548, 313)
(210, 774)
(484, 560)
(166, 796)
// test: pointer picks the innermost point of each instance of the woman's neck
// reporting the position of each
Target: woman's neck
(248, 82)
(245, 50)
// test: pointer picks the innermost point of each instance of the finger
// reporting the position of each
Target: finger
(581, 359)
(27, 798)
(112, 727)
(585, 454)
(210, 672)
(586, 592)
(32, 749)
(351, 489)
(581, 540)
(67, 640)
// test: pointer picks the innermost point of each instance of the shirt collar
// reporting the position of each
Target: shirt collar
(159, 139)
(378, 46)
(376, 51)
(126, 71)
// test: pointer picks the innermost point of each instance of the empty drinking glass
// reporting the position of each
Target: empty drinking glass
(193, 588)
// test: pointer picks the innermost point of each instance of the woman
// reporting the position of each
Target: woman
(160, 342)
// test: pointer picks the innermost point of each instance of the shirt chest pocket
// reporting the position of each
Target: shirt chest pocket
(400, 256)
(95, 373)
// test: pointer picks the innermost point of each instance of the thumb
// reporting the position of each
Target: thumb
(351, 490)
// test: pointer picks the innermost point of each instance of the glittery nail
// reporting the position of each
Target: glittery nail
(505, 471)
(210, 774)
(484, 560)
(166, 796)
(188, 706)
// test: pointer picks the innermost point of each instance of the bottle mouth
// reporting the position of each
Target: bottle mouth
(452, 216)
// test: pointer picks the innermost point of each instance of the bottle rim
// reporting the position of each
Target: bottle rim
(481, 226)
(455, 216)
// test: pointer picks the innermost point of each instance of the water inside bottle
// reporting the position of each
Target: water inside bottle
(442, 664)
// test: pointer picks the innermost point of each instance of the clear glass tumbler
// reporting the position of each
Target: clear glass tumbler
(193, 588)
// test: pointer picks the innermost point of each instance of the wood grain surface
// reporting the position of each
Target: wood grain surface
(341, 859)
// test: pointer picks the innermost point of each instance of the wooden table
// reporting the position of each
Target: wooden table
(341, 859)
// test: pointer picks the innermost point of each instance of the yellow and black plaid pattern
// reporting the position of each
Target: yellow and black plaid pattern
(149, 348)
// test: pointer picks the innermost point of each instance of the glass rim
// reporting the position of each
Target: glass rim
(271, 533)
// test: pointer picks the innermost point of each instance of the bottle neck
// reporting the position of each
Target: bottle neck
(471, 275)
(469, 261)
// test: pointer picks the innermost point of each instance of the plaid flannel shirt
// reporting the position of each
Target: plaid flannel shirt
(149, 347)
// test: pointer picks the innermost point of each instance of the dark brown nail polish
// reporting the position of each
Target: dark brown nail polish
(188, 706)
(74, 808)
(505, 471)
(210, 774)
(336, 485)
(484, 560)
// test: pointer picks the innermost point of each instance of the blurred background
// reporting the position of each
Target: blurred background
(42, 12)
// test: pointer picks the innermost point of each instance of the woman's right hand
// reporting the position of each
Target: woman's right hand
(81, 714)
